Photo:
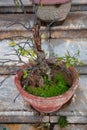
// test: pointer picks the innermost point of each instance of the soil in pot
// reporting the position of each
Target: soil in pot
(59, 82)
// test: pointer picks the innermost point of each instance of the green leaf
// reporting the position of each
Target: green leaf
(17, 3)
(25, 74)
(78, 52)
(70, 60)
(68, 64)
(12, 43)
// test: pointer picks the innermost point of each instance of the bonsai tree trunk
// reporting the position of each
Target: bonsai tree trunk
(42, 67)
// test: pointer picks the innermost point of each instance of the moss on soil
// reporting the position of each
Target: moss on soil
(54, 87)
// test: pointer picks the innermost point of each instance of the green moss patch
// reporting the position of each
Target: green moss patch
(62, 121)
(54, 87)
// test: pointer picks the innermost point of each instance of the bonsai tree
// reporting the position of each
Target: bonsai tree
(41, 77)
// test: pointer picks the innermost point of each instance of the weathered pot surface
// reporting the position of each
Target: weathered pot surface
(53, 10)
(48, 105)
(47, 2)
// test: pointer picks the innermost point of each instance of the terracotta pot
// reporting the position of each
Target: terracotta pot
(51, 104)
(49, 2)
(53, 10)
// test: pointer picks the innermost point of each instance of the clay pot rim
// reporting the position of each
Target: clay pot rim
(51, 2)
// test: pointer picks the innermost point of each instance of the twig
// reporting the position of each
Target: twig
(38, 5)
(25, 14)
(16, 97)
(35, 11)
(16, 22)
(3, 81)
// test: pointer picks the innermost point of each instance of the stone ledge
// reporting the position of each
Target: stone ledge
(24, 119)
(71, 119)
(75, 20)
(75, 26)
(71, 127)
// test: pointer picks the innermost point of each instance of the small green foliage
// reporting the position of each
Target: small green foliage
(17, 3)
(70, 60)
(25, 52)
(51, 88)
(25, 74)
(62, 121)
(78, 52)
(22, 51)
(12, 44)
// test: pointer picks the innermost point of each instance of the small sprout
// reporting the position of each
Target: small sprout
(12, 44)
(62, 121)
(25, 74)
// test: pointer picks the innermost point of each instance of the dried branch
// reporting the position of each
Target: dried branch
(25, 14)
(38, 5)
(35, 11)
(16, 22)
(3, 80)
